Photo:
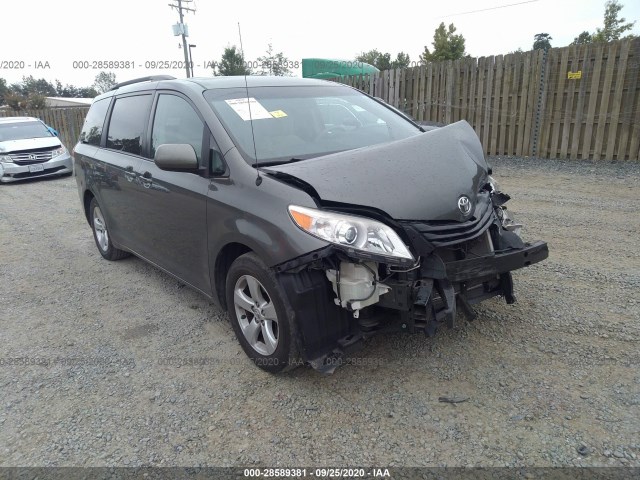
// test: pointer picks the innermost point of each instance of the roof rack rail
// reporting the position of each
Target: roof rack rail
(150, 78)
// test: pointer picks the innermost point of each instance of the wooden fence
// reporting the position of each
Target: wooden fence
(66, 120)
(579, 102)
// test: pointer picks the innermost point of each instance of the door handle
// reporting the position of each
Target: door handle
(129, 174)
(147, 179)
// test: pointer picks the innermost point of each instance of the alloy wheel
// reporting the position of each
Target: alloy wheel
(256, 314)
(100, 227)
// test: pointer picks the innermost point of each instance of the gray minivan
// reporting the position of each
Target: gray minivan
(315, 214)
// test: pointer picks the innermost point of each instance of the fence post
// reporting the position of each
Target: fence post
(72, 127)
(536, 128)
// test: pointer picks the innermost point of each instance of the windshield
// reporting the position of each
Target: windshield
(293, 123)
(21, 130)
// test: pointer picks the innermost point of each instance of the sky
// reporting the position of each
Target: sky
(59, 40)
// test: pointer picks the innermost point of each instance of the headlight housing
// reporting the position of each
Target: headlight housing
(58, 151)
(5, 158)
(350, 231)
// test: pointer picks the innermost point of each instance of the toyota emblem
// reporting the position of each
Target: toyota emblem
(464, 205)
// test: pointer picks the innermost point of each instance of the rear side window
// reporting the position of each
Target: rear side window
(92, 128)
(127, 123)
(176, 122)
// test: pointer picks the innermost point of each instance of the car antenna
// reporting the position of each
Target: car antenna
(253, 136)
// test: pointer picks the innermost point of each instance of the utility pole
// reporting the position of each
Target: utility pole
(191, 45)
(183, 32)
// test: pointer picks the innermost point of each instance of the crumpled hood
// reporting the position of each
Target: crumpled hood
(418, 178)
(10, 146)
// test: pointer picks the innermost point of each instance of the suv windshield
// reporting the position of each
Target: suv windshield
(293, 123)
(21, 130)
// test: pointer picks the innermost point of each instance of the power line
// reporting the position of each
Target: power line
(487, 9)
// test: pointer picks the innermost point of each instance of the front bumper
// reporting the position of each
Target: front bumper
(60, 165)
(431, 296)
(499, 262)
(420, 300)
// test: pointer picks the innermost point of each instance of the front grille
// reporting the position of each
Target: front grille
(31, 157)
(442, 234)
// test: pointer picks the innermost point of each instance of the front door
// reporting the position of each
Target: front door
(173, 203)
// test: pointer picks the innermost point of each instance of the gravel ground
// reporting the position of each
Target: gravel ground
(550, 381)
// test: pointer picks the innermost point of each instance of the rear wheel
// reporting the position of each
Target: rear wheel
(260, 315)
(101, 234)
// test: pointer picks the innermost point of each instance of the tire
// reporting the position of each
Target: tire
(266, 331)
(101, 234)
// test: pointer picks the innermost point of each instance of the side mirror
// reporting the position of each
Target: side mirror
(176, 156)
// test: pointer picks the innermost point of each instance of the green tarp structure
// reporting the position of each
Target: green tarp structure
(333, 68)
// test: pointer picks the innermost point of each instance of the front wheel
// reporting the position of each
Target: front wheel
(101, 234)
(260, 315)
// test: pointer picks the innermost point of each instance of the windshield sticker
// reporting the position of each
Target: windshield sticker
(241, 107)
(278, 114)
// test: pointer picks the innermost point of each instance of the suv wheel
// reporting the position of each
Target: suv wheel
(260, 315)
(101, 234)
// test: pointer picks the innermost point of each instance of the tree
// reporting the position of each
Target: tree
(3, 90)
(36, 101)
(402, 61)
(68, 91)
(232, 63)
(104, 81)
(382, 61)
(30, 85)
(18, 102)
(446, 45)
(15, 100)
(87, 92)
(542, 41)
(584, 37)
(274, 64)
(31, 93)
(613, 27)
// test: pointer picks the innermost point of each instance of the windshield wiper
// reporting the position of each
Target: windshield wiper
(281, 162)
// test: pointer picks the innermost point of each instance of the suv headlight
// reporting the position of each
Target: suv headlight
(359, 233)
(5, 158)
(58, 151)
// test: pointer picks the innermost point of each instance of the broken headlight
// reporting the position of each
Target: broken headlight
(359, 233)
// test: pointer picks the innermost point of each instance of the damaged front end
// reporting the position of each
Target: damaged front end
(381, 274)
(344, 295)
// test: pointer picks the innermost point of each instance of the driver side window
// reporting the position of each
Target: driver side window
(176, 121)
